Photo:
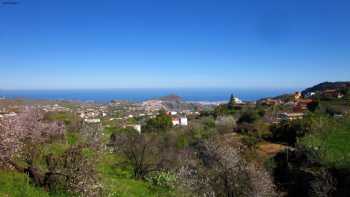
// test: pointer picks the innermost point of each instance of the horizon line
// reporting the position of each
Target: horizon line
(149, 88)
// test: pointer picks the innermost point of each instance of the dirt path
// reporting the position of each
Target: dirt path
(269, 149)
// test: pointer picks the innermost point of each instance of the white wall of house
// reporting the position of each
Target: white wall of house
(96, 120)
(173, 113)
(183, 121)
(137, 127)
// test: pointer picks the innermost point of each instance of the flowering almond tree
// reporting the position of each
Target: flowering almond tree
(218, 169)
(27, 127)
(22, 137)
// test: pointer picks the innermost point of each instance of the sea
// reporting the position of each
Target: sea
(137, 95)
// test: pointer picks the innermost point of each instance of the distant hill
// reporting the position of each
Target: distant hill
(327, 86)
(283, 97)
(317, 88)
(171, 97)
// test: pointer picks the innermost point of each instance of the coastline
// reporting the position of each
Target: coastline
(211, 96)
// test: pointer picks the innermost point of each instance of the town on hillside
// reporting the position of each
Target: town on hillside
(285, 146)
(135, 114)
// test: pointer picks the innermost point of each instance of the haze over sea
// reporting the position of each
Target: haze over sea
(106, 95)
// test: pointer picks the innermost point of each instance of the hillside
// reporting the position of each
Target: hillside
(327, 86)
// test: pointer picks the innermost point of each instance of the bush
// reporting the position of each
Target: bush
(250, 141)
(270, 165)
(223, 110)
(161, 123)
(289, 131)
(249, 116)
(225, 124)
(300, 173)
(313, 106)
(202, 128)
(331, 142)
(215, 168)
(162, 179)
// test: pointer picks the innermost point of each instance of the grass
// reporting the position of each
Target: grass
(13, 184)
(55, 148)
(118, 181)
(65, 117)
(72, 138)
(108, 131)
(333, 145)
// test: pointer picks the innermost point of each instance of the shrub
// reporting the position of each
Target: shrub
(217, 169)
(162, 179)
(289, 131)
(248, 116)
(250, 141)
(225, 124)
(161, 123)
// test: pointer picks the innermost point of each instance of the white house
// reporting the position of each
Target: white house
(180, 121)
(237, 100)
(309, 94)
(96, 120)
(183, 121)
(173, 113)
(137, 127)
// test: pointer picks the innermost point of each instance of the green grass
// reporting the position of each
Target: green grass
(59, 116)
(72, 138)
(13, 184)
(55, 148)
(337, 105)
(333, 145)
(118, 181)
(108, 131)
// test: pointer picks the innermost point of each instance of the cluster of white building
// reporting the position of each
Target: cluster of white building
(153, 105)
(92, 115)
(180, 121)
(54, 108)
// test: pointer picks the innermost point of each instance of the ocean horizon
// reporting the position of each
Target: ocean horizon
(137, 95)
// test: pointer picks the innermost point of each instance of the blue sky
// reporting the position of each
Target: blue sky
(67, 44)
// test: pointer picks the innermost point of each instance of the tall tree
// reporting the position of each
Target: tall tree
(231, 102)
(144, 153)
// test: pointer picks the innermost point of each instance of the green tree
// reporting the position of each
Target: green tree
(160, 123)
(289, 131)
(231, 102)
(248, 116)
(226, 109)
(313, 106)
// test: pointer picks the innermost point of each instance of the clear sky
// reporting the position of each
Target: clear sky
(69, 44)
